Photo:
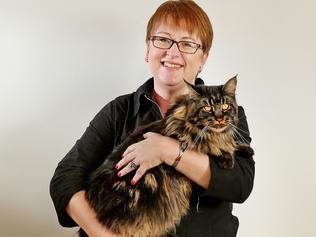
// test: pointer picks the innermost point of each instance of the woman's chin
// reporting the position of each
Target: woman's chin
(171, 80)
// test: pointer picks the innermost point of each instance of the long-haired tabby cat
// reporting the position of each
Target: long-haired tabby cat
(205, 120)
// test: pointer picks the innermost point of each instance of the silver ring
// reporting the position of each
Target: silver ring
(132, 165)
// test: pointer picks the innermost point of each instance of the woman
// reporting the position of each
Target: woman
(179, 37)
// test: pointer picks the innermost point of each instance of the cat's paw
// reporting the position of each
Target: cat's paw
(244, 150)
(226, 161)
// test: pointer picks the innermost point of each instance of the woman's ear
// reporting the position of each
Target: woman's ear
(203, 61)
(146, 57)
(204, 58)
(147, 52)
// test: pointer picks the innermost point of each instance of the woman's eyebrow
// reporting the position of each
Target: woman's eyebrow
(182, 38)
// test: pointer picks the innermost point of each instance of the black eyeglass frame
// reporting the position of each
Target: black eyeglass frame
(198, 46)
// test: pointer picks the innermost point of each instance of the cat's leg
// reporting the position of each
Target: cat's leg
(244, 150)
(226, 160)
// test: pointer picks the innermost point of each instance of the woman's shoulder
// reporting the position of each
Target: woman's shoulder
(123, 99)
(119, 104)
(131, 102)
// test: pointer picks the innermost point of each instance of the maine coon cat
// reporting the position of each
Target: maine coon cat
(205, 120)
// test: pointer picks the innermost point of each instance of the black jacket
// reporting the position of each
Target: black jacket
(210, 211)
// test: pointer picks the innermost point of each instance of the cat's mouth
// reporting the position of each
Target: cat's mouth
(218, 127)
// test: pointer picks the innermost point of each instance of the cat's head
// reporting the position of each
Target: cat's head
(213, 106)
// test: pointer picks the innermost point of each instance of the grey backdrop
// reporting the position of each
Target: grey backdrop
(61, 61)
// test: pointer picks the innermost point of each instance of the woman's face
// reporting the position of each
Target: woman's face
(170, 66)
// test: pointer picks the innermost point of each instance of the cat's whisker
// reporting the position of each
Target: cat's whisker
(200, 135)
(238, 128)
(205, 129)
(238, 136)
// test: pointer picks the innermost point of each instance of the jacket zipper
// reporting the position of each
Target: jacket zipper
(154, 102)
(198, 204)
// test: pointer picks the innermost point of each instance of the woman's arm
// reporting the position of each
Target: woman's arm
(73, 170)
(80, 211)
(156, 149)
(232, 185)
(196, 166)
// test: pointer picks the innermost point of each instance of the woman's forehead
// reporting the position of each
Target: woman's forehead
(173, 30)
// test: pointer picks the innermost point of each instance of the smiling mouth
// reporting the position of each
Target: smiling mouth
(171, 65)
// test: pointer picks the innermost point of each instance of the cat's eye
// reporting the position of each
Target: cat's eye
(207, 108)
(225, 107)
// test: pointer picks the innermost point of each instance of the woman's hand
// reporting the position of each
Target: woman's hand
(148, 153)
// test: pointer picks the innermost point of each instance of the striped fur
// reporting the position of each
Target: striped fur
(156, 204)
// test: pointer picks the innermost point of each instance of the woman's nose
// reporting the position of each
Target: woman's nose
(173, 50)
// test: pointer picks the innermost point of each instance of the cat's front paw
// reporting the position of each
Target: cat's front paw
(226, 160)
(244, 150)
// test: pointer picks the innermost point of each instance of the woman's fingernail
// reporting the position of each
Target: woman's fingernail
(119, 174)
(133, 182)
(116, 167)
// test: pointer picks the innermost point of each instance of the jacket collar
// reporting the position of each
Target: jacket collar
(147, 88)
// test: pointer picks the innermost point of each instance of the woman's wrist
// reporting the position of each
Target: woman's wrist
(178, 158)
(172, 152)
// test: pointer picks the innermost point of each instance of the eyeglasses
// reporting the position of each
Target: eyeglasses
(183, 46)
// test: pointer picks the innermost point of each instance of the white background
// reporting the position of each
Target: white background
(62, 60)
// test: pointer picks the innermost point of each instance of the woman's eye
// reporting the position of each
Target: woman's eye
(225, 107)
(207, 108)
(163, 40)
(188, 44)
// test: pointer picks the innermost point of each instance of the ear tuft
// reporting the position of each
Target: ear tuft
(193, 88)
(230, 86)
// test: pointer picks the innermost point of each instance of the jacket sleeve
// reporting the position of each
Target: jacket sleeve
(233, 185)
(87, 153)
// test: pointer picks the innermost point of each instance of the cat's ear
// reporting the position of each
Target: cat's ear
(193, 89)
(230, 86)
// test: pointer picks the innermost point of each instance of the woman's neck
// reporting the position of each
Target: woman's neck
(168, 93)
(162, 103)
(164, 96)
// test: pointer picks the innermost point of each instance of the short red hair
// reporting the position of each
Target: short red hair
(185, 14)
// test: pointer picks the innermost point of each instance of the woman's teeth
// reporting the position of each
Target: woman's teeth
(171, 65)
